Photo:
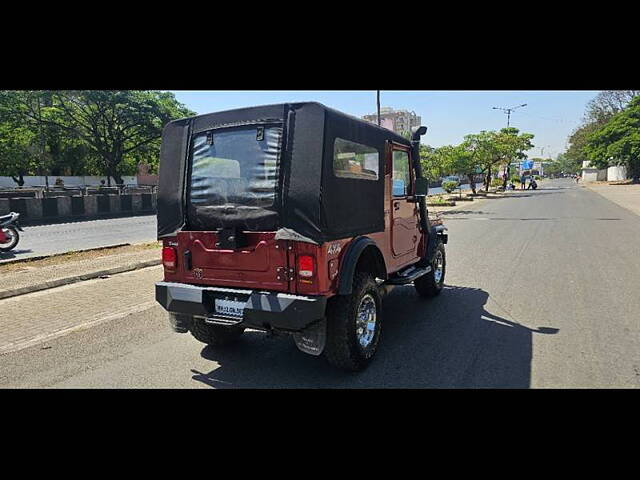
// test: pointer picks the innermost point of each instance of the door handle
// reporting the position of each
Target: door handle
(396, 205)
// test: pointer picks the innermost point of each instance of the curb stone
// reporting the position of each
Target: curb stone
(41, 257)
(77, 278)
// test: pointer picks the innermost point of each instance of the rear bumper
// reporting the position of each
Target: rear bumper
(264, 310)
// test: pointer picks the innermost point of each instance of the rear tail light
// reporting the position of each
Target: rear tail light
(306, 266)
(169, 257)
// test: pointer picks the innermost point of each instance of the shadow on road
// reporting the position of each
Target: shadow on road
(13, 254)
(451, 341)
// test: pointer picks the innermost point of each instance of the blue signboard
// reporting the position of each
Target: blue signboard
(527, 165)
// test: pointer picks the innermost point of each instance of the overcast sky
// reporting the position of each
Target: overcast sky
(450, 115)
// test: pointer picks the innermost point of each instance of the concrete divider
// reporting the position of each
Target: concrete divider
(66, 208)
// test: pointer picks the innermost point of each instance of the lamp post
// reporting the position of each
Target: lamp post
(378, 102)
(509, 110)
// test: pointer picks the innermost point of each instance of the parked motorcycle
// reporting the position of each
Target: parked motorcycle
(9, 228)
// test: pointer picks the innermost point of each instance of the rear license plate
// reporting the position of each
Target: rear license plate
(229, 308)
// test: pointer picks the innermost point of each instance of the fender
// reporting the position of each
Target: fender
(437, 232)
(350, 260)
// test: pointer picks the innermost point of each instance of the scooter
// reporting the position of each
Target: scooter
(9, 228)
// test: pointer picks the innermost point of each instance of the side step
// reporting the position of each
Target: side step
(408, 275)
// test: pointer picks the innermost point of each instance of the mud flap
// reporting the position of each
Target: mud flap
(312, 339)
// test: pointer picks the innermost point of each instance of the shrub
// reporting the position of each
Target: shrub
(497, 182)
(536, 178)
(515, 179)
(449, 186)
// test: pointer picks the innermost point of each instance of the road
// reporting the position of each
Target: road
(65, 237)
(541, 292)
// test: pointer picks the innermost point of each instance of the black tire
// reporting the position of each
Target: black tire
(16, 239)
(426, 285)
(343, 350)
(214, 335)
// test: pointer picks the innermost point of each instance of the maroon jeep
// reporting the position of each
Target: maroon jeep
(292, 218)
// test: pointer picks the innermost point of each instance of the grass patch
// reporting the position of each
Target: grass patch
(69, 257)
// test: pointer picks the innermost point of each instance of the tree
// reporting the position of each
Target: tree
(618, 141)
(511, 145)
(598, 112)
(608, 103)
(17, 158)
(115, 126)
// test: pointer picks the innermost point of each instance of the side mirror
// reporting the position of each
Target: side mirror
(422, 187)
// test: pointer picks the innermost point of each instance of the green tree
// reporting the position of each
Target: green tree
(511, 146)
(618, 141)
(116, 127)
(17, 157)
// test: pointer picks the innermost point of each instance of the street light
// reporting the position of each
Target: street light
(509, 110)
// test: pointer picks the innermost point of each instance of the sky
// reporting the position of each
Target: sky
(450, 115)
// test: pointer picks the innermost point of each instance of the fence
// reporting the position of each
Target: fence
(70, 208)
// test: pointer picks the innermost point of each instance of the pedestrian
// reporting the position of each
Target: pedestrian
(523, 180)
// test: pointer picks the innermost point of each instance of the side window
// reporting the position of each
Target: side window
(401, 174)
(354, 160)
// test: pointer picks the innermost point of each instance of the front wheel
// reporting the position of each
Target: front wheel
(431, 284)
(354, 323)
(12, 239)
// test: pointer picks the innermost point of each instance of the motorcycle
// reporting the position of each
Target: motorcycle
(9, 228)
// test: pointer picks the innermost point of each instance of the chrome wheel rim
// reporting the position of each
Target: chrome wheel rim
(438, 267)
(366, 319)
(11, 238)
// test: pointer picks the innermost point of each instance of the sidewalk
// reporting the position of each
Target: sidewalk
(627, 196)
(36, 318)
(31, 276)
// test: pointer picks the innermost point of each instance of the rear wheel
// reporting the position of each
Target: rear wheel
(354, 324)
(431, 284)
(214, 335)
(12, 239)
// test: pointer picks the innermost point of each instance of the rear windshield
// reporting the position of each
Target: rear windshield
(235, 167)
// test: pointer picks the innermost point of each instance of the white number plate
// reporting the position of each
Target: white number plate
(229, 308)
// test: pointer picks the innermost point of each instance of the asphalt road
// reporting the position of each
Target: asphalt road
(541, 292)
(66, 237)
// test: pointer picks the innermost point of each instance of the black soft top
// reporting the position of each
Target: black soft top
(312, 204)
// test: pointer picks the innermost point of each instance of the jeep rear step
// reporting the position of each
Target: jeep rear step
(408, 275)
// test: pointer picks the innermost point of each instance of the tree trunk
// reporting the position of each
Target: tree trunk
(19, 180)
(487, 180)
(472, 183)
(634, 168)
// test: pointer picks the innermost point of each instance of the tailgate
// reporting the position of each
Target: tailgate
(261, 264)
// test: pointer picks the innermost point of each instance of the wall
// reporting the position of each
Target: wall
(616, 173)
(32, 181)
(77, 208)
(590, 174)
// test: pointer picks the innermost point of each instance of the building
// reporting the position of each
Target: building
(398, 121)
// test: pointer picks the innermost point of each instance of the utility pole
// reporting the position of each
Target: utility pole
(509, 110)
(378, 98)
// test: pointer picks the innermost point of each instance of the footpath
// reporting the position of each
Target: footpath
(627, 196)
(26, 276)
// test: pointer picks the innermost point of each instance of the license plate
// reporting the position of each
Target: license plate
(229, 308)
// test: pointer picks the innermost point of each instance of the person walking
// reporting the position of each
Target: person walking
(523, 180)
